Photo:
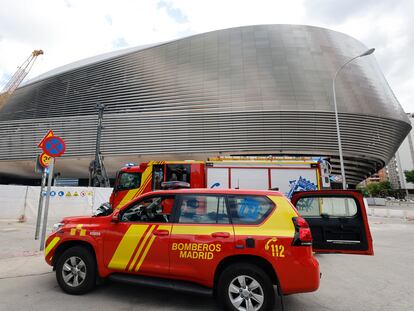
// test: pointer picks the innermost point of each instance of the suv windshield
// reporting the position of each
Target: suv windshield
(128, 181)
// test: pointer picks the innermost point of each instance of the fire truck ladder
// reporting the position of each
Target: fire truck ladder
(18, 77)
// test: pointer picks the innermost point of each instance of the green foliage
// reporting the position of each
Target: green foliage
(363, 190)
(377, 189)
(409, 176)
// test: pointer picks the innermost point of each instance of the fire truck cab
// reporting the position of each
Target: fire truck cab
(134, 180)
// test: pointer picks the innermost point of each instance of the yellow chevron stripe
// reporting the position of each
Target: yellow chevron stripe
(51, 245)
(141, 247)
(128, 197)
(82, 232)
(149, 246)
(136, 192)
(147, 176)
(145, 253)
(142, 188)
(126, 247)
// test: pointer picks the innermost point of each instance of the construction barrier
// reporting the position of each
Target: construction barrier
(21, 202)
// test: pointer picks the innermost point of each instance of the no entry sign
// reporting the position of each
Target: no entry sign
(54, 146)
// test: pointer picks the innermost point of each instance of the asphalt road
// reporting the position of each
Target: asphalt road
(349, 282)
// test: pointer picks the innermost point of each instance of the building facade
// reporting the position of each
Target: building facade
(393, 174)
(255, 90)
(403, 161)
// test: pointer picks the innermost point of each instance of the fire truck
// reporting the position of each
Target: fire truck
(286, 175)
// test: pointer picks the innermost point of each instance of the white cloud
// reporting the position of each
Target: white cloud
(70, 30)
(217, 14)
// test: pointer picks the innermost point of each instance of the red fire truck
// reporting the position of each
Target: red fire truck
(286, 175)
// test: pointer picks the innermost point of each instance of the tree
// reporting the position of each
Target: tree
(381, 189)
(409, 176)
(363, 190)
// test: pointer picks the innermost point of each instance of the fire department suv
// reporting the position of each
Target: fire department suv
(235, 244)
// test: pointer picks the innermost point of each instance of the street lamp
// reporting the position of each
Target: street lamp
(338, 133)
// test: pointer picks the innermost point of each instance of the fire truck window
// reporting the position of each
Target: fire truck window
(129, 181)
(249, 209)
(203, 210)
(157, 176)
(178, 172)
(154, 209)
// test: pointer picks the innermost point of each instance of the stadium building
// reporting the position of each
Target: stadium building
(256, 90)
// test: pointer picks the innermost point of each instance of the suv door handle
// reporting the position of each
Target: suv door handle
(220, 235)
(160, 232)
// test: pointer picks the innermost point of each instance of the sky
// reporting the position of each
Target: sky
(71, 30)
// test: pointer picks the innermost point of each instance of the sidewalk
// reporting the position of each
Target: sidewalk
(403, 212)
(19, 252)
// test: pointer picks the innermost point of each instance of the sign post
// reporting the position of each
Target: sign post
(45, 214)
(40, 208)
(52, 146)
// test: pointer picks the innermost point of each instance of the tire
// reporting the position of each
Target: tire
(76, 270)
(233, 294)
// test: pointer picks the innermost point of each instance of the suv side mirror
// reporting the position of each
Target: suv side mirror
(104, 210)
(115, 216)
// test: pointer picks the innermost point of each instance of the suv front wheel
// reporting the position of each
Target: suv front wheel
(245, 287)
(76, 270)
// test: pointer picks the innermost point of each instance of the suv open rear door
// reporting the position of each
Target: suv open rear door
(337, 219)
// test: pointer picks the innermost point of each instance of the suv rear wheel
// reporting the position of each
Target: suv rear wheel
(245, 287)
(76, 270)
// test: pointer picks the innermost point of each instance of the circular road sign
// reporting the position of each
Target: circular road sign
(44, 160)
(54, 146)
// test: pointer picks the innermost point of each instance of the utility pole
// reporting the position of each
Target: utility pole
(97, 172)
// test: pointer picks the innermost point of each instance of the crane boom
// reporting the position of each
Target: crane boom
(18, 76)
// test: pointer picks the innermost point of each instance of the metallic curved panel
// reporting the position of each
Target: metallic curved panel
(254, 90)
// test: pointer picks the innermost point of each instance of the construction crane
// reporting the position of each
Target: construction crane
(97, 172)
(18, 77)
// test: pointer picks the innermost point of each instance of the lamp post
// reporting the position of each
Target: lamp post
(338, 133)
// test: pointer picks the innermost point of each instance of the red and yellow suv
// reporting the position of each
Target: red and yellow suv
(235, 244)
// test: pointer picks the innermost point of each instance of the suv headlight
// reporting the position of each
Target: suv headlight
(57, 226)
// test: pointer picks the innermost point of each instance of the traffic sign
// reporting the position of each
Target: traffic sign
(44, 159)
(54, 146)
(49, 134)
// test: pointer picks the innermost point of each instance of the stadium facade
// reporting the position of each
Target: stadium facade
(254, 90)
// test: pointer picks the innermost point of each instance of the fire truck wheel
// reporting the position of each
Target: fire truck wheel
(76, 270)
(245, 287)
